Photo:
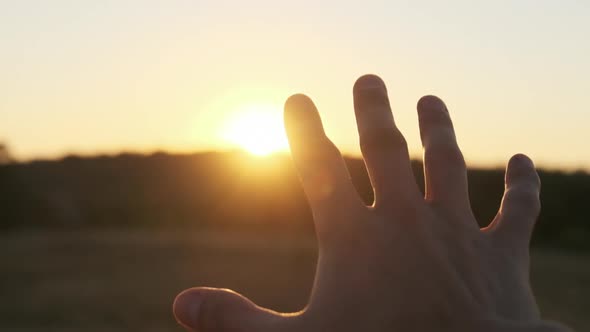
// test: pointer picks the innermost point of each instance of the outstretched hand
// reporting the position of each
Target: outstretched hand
(409, 262)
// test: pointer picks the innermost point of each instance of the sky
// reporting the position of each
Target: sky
(106, 76)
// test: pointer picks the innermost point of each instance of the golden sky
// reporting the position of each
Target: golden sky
(105, 76)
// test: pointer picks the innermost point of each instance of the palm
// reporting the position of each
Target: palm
(408, 262)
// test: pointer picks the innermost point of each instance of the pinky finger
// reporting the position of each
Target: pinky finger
(521, 204)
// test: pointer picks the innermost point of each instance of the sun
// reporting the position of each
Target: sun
(257, 129)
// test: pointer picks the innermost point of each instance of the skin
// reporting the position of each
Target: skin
(409, 262)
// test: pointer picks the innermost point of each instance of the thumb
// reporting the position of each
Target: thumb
(221, 310)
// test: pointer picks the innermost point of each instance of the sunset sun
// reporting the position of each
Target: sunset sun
(257, 129)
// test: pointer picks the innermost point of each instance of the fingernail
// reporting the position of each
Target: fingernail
(371, 105)
(186, 308)
(301, 117)
(370, 93)
(432, 103)
(369, 82)
(522, 160)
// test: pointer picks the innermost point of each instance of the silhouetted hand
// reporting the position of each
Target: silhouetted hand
(407, 263)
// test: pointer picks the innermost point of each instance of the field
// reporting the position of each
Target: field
(114, 280)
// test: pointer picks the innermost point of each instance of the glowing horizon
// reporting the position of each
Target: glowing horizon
(257, 129)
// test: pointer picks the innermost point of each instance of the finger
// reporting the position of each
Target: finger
(383, 146)
(445, 172)
(218, 310)
(520, 205)
(324, 175)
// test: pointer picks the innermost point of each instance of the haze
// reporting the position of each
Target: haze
(106, 76)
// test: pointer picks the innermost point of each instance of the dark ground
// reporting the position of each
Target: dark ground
(126, 280)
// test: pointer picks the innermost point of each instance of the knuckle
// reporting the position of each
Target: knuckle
(321, 149)
(446, 154)
(536, 180)
(525, 174)
(430, 118)
(384, 139)
(337, 227)
(527, 200)
(320, 152)
(322, 166)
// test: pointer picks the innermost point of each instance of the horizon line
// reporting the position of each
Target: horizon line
(186, 152)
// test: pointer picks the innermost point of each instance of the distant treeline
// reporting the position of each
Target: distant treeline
(234, 191)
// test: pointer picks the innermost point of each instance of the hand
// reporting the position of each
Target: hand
(408, 262)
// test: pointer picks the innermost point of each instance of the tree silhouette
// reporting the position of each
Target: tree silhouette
(5, 156)
(231, 191)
